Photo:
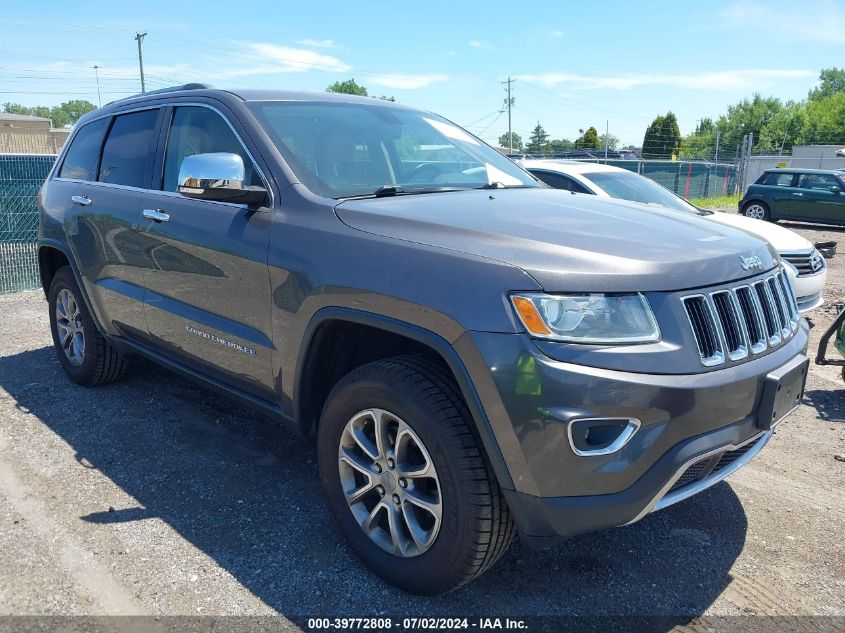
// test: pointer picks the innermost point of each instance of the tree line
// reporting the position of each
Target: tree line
(777, 125)
(64, 115)
(540, 143)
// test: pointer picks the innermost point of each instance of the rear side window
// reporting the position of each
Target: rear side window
(776, 179)
(197, 130)
(81, 159)
(128, 151)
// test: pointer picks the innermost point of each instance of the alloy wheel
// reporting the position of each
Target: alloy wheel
(69, 327)
(390, 483)
(755, 211)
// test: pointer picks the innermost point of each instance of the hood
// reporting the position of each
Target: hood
(784, 240)
(567, 242)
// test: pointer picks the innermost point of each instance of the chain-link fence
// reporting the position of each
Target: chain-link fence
(20, 178)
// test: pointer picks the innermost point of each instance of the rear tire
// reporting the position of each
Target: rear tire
(414, 399)
(84, 354)
(757, 210)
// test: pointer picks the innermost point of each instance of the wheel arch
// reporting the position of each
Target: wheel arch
(309, 392)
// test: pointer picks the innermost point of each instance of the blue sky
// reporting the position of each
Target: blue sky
(576, 63)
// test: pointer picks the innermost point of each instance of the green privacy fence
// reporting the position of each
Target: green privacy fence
(688, 179)
(20, 178)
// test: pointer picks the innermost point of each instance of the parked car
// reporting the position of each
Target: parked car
(807, 195)
(806, 267)
(473, 354)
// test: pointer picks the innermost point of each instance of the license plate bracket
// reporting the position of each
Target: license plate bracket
(782, 392)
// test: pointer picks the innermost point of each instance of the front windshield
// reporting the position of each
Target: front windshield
(341, 150)
(629, 186)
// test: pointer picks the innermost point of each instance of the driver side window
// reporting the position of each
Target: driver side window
(198, 130)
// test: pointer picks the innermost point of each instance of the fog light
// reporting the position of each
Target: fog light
(600, 436)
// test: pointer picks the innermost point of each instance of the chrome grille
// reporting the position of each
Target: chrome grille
(748, 319)
(805, 263)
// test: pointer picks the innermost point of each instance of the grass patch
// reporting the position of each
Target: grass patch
(725, 202)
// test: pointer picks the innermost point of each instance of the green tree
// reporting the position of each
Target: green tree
(70, 112)
(608, 139)
(348, 87)
(831, 82)
(784, 128)
(651, 141)
(560, 145)
(538, 141)
(588, 139)
(662, 138)
(517, 140)
(825, 120)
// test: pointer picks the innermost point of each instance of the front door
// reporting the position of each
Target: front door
(208, 301)
(816, 198)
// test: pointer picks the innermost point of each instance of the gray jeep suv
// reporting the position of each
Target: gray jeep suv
(474, 354)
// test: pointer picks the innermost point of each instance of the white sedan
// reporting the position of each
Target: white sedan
(805, 265)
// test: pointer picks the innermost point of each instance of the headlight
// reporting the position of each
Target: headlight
(587, 318)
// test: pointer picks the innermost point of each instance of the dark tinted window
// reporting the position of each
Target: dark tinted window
(81, 159)
(129, 149)
(817, 181)
(777, 179)
(559, 181)
(197, 130)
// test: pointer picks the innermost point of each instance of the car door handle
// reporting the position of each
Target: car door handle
(82, 201)
(796, 193)
(156, 215)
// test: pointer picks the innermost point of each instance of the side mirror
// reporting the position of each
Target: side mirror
(835, 189)
(217, 176)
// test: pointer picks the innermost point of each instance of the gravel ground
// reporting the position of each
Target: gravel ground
(155, 496)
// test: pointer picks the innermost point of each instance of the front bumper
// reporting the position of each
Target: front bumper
(808, 288)
(530, 400)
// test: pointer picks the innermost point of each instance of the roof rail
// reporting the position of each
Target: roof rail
(190, 86)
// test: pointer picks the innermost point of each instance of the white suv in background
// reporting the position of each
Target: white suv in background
(806, 267)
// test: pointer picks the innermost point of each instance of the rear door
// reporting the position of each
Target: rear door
(816, 200)
(107, 243)
(208, 303)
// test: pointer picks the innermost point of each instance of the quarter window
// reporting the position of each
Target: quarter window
(197, 130)
(128, 151)
(559, 181)
(81, 159)
(776, 179)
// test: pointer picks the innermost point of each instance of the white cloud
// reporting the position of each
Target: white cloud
(714, 80)
(317, 43)
(284, 59)
(818, 21)
(407, 81)
(475, 44)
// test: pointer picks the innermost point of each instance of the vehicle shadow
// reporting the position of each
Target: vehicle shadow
(245, 492)
(831, 228)
(828, 403)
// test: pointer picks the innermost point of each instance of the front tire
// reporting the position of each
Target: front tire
(757, 210)
(83, 353)
(406, 480)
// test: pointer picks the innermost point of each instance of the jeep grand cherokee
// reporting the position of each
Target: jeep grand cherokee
(474, 354)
